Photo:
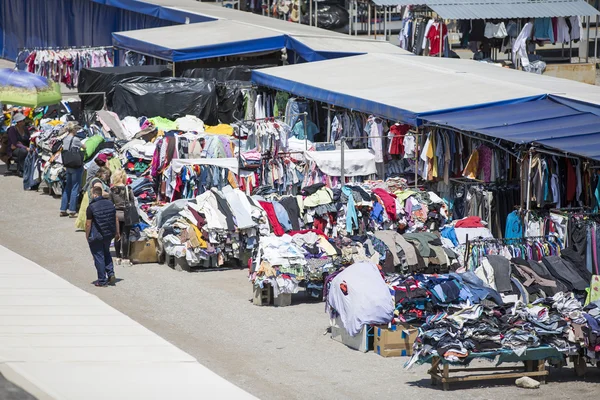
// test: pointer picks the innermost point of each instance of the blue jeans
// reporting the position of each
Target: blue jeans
(71, 190)
(102, 259)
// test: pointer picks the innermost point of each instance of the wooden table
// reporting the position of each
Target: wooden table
(534, 365)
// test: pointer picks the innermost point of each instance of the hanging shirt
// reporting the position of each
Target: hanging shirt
(520, 46)
(434, 38)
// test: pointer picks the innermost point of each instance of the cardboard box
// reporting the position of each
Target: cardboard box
(359, 342)
(394, 341)
(143, 252)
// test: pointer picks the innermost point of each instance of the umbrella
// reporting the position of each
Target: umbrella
(25, 89)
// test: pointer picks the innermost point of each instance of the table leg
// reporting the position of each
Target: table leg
(446, 375)
(542, 367)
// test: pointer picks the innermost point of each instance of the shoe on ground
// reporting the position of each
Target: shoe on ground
(112, 280)
(72, 215)
(126, 263)
(117, 261)
(64, 214)
(98, 284)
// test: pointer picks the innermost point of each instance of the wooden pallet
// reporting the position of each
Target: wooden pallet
(441, 372)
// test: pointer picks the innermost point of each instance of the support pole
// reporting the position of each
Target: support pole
(342, 167)
(528, 198)
(355, 17)
(328, 124)
(316, 14)
(417, 158)
(385, 24)
(587, 41)
(310, 12)
(369, 20)
(596, 42)
(305, 131)
(441, 32)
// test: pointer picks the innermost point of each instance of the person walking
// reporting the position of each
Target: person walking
(100, 227)
(73, 177)
(120, 195)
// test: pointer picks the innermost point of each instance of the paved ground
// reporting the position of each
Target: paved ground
(272, 353)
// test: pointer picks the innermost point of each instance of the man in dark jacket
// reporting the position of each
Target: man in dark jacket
(101, 227)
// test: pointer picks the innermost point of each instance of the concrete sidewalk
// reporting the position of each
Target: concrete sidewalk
(59, 342)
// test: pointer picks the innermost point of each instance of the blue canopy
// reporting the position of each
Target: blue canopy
(199, 41)
(546, 122)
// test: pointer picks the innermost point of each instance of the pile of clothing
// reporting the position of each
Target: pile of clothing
(301, 256)
(210, 229)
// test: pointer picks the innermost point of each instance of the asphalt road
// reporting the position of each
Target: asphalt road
(273, 353)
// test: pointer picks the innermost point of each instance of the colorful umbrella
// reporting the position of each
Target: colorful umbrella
(25, 89)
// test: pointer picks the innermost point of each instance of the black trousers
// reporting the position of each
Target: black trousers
(122, 245)
(20, 155)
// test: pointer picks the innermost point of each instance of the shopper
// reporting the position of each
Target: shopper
(73, 177)
(120, 195)
(99, 162)
(100, 227)
(18, 140)
(102, 180)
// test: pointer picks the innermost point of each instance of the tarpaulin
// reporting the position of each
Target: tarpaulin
(230, 101)
(105, 79)
(545, 122)
(412, 87)
(357, 162)
(166, 97)
(234, 73)
(64, 23)
(157, 11)
(200, 41)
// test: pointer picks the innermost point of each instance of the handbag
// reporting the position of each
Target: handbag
(72, 158)
(131, 216)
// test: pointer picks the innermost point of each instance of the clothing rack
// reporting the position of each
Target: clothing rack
(469, 243)
(65, 48)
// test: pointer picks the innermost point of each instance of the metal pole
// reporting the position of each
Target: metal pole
(596, 41)
(310, 12)
(355, 15)
(316, 14)
(385, 23)
(528, 198)
(173, 69)
(587, 41)
(375, 26)
(342, 167)
(369, 20)
(441, 32)
(328, 124)
(417, 158)
(305, 132)
(299, 12)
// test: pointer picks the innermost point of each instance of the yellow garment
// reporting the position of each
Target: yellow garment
(221, 129)
(231, 179)
(429, 152)
(594, 290)
(81, 215)
(54, 122)
(328, 247)
(320, 197)
(196, 237)
(114, 164)
(472, 165)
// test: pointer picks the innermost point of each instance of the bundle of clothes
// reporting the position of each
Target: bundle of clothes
(210, 229)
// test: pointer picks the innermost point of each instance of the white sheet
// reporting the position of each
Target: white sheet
(356, 162)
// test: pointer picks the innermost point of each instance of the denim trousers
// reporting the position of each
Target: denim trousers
(71, 189)
(102, 259)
